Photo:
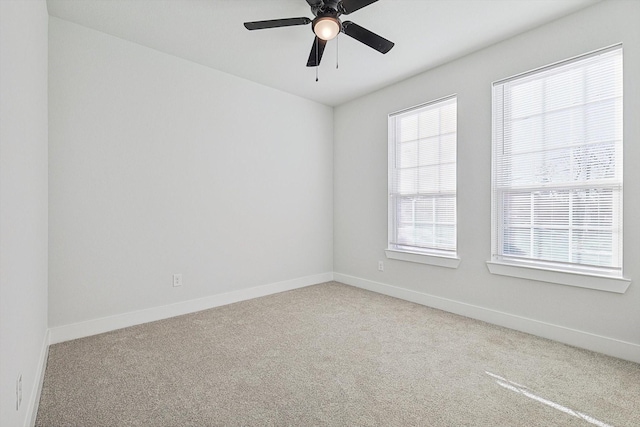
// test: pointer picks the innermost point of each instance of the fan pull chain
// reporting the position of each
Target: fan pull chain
(337, 51)
(317, 65)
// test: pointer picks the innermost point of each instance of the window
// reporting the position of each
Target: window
(422, 182)
(557, 167)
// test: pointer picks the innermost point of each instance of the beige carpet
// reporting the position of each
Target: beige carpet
(332, 355)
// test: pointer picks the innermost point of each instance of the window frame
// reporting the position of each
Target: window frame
(424, 255)
(572, 274)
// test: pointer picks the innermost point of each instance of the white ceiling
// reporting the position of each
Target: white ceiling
(427, 33)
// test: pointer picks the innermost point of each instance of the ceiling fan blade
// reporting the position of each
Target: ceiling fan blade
(275, 23)
(314, 2)
(365, 36)
(318, 46)
(350, 6)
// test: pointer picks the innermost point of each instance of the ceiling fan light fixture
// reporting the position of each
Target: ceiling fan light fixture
(326, 27)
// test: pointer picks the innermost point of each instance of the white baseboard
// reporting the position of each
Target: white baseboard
(612, 347)
(34, 398)
(97, 326)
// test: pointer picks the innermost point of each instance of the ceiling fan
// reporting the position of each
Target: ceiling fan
(327, 25)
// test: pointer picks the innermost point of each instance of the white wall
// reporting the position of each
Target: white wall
(159, 165)
(23, 204)
(360, 188)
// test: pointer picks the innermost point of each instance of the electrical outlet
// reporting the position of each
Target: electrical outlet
(177, 280)
(18, 392)
(380, 266)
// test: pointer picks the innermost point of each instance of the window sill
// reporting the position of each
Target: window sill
(582, 280)
(438, 260)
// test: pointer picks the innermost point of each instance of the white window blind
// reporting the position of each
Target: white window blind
(422, 178)
(557, 166)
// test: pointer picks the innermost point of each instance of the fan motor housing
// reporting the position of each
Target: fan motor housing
(331, 5)
(327, 7)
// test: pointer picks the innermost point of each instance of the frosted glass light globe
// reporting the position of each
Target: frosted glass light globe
(326, 28)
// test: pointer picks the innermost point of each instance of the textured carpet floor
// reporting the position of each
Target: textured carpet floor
(331, 354)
